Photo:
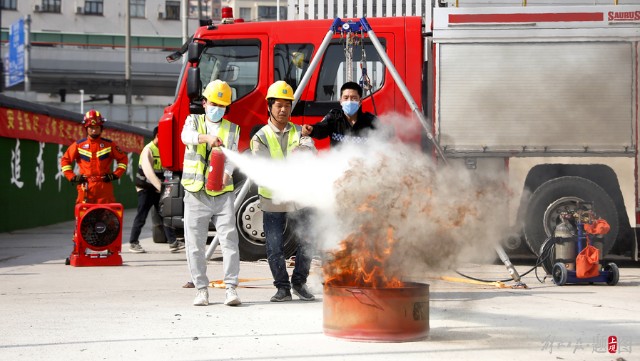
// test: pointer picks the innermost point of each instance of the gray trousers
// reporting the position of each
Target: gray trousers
(199, 208)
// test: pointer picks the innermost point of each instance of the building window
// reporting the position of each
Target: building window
(172, 10)
(93, 7)
(204, 11)
(8, 4)
(137, 8)
(269, 13)
(245, 13)
(50, 6)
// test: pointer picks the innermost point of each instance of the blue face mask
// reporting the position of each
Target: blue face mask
(215, 113)
(350, 107)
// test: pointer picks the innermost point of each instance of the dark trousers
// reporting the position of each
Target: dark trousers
(148, 198)
(274, 224)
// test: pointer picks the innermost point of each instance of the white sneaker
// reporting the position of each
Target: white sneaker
(232, 298)
(202, 297)
(136, 248)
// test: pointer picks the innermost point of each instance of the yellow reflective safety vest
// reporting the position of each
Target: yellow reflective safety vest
(141, 179)
(268, 137)
(196, 157)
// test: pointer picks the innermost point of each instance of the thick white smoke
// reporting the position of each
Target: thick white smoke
(440, 215)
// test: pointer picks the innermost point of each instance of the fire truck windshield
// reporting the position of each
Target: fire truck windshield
(236, 63)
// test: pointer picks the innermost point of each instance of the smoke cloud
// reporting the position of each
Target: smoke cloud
(438, 215)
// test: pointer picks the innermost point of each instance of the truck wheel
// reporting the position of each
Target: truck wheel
(563, 194)
(157, 230)
(251, 231)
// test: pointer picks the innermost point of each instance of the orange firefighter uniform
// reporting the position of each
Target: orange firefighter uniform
(94, 157)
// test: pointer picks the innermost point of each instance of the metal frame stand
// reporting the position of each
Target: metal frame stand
(340, 26)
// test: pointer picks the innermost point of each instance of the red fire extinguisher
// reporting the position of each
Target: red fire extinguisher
(216, 170)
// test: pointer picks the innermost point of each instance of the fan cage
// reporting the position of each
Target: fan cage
(100, 228)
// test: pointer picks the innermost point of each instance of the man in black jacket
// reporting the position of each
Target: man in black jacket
(346, 125)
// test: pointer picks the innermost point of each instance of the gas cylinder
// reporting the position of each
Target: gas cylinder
(565, 238)
(216, 170)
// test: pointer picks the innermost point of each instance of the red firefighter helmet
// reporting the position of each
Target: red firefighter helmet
(93, 117)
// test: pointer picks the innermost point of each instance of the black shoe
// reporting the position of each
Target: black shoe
(303, 292)
(282, 295)
(176, 246)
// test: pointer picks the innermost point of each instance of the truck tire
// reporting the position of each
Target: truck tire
(252, 242)
(560, 194)
(157, 230)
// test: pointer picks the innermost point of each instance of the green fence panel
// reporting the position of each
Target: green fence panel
(33, 191)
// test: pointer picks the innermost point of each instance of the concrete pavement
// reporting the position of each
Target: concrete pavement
(139, 311)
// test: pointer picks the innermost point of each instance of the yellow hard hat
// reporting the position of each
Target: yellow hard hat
(219, 92)
(280, 90)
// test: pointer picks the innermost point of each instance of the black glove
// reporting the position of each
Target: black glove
(109, 177)
(78, 179)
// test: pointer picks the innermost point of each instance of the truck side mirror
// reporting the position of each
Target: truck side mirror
(173, 57)
(194, 84)
(194, 52)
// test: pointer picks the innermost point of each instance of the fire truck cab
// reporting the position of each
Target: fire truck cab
(250, 57)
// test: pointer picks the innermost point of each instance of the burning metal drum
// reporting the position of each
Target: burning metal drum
(377, 314)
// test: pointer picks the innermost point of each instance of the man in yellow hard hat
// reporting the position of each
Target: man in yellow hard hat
(278, 139)
(201, 133)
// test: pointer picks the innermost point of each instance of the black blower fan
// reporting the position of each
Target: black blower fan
(100, 228)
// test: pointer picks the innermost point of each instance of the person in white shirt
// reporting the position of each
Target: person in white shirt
(202, 134)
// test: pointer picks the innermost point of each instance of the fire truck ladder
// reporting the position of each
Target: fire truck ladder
(362, 26)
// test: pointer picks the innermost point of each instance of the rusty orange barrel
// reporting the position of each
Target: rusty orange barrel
(377, 314)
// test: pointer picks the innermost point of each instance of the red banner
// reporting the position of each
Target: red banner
(16, 123)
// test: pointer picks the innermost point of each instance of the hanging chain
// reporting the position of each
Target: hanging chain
(365, 81)
(352, 39)
(348, 55)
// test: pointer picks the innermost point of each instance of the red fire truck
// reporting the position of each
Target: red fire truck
(545, 95)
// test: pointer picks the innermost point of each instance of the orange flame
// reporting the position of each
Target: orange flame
(361, 261)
